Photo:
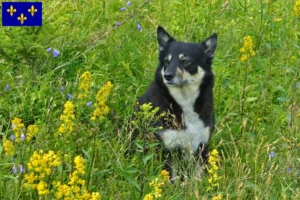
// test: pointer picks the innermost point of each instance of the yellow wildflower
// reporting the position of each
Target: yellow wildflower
(73, 178)
(40, 166)
(297, 8)
(31, 177)
(75, 189)
(79, 164)
(157, 183)
(148, 197)
(95, 196)
(101, 97)
(62, 190)
(247, 49)
(278, 19)
(85, 84)
(67, 119)
(17, 127)
(164, 175)
(213, 160)
(31, 131)
(42, 188)
(9, 148)
(219, 197)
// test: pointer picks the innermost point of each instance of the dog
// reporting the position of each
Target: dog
(183, 87)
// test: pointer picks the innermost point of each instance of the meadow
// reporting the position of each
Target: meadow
(68, 90)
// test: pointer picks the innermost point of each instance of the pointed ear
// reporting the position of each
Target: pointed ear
(210, 45)
(163, 38)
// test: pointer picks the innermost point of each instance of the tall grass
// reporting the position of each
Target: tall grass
(257, 102)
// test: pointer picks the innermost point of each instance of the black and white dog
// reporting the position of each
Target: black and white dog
(183, 87)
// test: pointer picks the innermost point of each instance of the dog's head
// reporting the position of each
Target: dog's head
(184, 63)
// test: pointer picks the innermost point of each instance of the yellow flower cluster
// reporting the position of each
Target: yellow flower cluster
(157, 184)
(213, 162)
(101, 97)
(75, 189)
(219, 197)
(67, 118)
(147, 114)
(19, 130)
(31, 131)
(40, 166)
(297, 8)
(9, 148)
(17, 127)
(85, 84)
(79, 164)
(247, 49)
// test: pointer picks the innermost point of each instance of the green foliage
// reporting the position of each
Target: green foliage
(257, 102)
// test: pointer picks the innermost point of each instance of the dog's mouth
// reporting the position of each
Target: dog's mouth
(174, 84)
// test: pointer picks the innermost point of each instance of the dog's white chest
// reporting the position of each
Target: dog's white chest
(195, 131)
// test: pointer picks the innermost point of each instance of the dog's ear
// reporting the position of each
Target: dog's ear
(210, 45)
(163, 38)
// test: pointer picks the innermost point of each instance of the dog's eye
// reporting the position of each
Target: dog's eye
(166, 61)
(185, 62)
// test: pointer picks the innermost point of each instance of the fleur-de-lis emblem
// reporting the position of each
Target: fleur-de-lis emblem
(11, 10)
(22, 18)
(32, 10)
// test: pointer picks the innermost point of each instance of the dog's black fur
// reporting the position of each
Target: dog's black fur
(199, 55)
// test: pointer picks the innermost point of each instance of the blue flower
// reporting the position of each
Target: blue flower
(123, 9)
(55, 53)
(89, 104)
(14, 170)
(49, 49)
(62, 88)
(128, 3)
(22, 169)
(272, 154)
(23, 136)
(118, 23)
(7, 87)
(12, 137)
(139, 27)
(289, 170)
(70, 96)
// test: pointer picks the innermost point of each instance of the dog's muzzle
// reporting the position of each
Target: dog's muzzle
(169, 76)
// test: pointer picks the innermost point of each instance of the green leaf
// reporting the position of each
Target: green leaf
(298, 85)
(233, 114)
(86, 154)
(131, 170)
(131, 181)
(153, 144)
(253, 186)
(282, 99)
(148, 157)
(250, 99)
(10, 177)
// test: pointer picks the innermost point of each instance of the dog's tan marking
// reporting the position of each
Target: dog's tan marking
(180, 56)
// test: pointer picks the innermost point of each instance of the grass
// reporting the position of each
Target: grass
(257, 102)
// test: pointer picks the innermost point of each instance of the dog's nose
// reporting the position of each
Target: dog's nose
(169, 76)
